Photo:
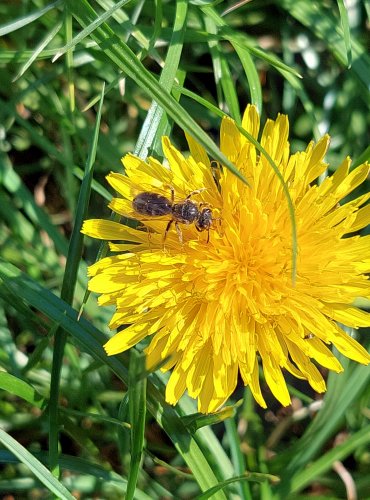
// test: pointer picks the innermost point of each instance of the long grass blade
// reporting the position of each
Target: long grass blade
(36, 467)
(90, 340)
(25, 20)
(67, 293)
(156, 124)
(122, 56)
(137, 411)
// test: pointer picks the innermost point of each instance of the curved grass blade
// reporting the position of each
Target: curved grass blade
(25, 20)
(123, 57)
(275, 168)
(248, 476)
(21, 388)
(37, 468)
(284, 185)
(90, 339)
(325, 26)
(137, 412)
(35, 54)
(155, 124)
(67, 292)
(346, 30)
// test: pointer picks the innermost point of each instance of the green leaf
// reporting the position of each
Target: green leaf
(123, 57)
(68, 287)
(325, 462)
(323, 23)
(36, 467)
(198, 420)
(346, 30)
(21, 388)
(137, 412)
(156, 124)
(90, 340)
(25, 20)
(247, 476)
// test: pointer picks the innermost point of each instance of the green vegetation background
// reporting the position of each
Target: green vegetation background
(74, 423)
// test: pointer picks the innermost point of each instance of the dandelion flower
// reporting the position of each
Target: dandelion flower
(228, 307)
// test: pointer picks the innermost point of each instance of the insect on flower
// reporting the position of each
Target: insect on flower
(246, 314)
(185, 212)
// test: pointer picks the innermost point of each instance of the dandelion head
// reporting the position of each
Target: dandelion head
(217, 300)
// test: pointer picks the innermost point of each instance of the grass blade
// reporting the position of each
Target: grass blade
(45, 42)
(90, 339)
(325, 462)
(25, 20)
(67, 292)
(137, 412)
(37, 468)
(89, 29)
(122, 56)
(323, 23)
(346, 30)
(20, 388)
(155, 124)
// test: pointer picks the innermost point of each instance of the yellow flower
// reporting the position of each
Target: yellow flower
(226, 307)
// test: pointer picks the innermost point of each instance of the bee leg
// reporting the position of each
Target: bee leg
(179, 232)
(201, 230)
(168, 227)
(197, 191)
(171, 188)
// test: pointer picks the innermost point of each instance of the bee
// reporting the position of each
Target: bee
(185, 212)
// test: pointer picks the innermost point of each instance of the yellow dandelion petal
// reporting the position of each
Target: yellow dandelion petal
(215, 294)
(179, 166)
(251, 121)
(126, 339)
(122, 207)
(207, 399)
(176, 385)
(197, 151)
(120, 183)
(198, 373)
(350, 316)
(350, 348)
(362, 218)
(254, 385)
(230, 138)
(109, 230)
(275, 379)
(142, 175)
(306, 367)
(109, 263)
(275, 140)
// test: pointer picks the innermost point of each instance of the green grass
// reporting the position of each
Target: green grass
(81, 84)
